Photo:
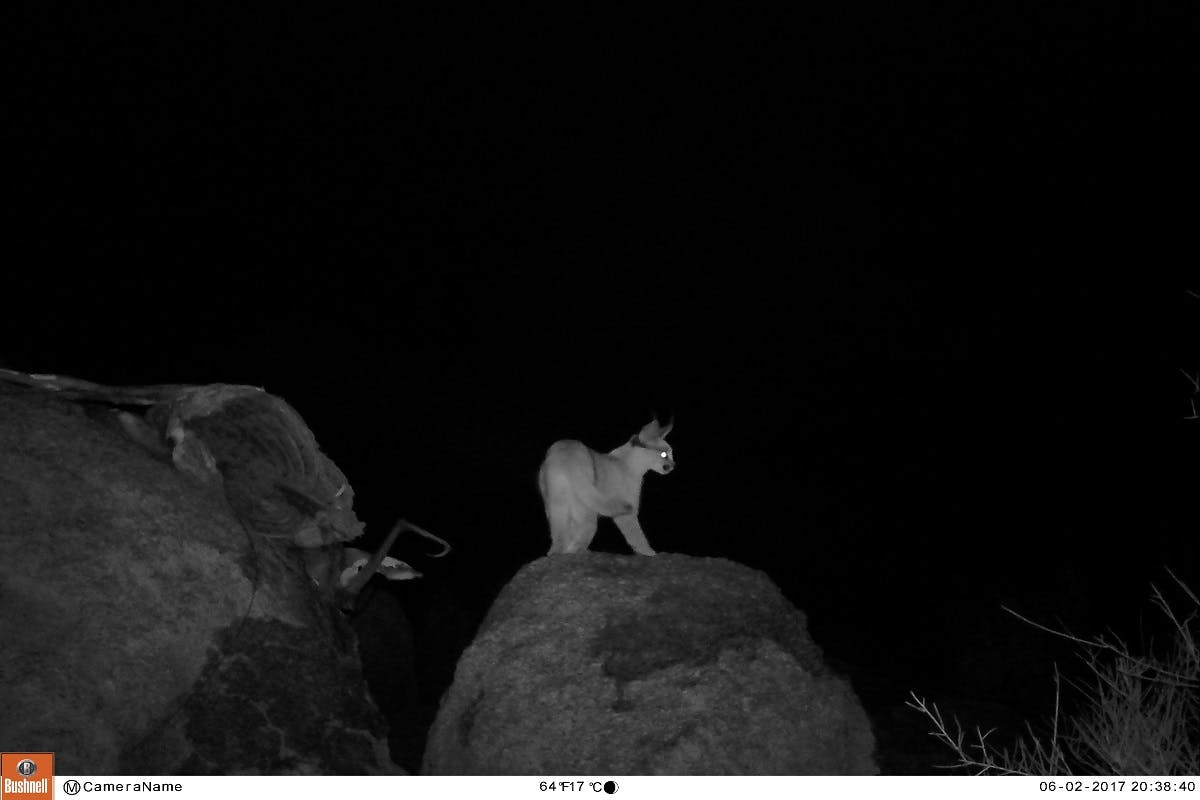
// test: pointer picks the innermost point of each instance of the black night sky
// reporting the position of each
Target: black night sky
(912, 283)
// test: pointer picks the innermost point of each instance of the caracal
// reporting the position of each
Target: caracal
(578, 484)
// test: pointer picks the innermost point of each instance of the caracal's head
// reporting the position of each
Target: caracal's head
(652, 440)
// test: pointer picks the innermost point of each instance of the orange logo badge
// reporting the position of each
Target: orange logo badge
(26, 776)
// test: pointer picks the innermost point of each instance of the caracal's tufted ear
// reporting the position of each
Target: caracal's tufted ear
(654, 430)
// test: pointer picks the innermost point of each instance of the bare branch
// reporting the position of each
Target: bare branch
(1138, 717)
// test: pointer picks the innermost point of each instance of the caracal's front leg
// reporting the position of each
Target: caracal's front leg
(631, 529)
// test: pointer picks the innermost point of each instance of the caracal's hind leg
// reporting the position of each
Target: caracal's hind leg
(559, 502)
(585, 531)
(631, 529)
(560, 525)
(572, 527)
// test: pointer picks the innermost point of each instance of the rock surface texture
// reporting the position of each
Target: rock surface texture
(145, 630)
(671, 665)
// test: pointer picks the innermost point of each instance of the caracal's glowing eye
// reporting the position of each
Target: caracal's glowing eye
(663, 454)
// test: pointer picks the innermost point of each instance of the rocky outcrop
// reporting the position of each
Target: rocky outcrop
(675, 665)
(146, 630)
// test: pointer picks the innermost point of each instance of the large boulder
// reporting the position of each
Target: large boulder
(146, 629)
(674, 665)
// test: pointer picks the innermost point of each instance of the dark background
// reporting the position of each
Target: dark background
(911, 281)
